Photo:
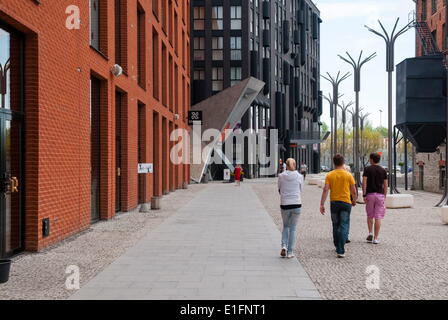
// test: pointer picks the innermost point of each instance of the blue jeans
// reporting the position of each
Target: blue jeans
(290, 218)
(340, 216)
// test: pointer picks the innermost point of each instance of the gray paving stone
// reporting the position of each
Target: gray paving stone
(220, 245)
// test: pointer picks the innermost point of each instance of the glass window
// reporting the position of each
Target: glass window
(434, 6)
(235, 17)
(5, 64)
(235, 75)
(235, 48)
(199, 74)
(95, 24)
(256, 24)
(251, 26)
(199, 18)
(217, 79)
(217, 48)
(424, 9)
(217, 18)
(199, 48)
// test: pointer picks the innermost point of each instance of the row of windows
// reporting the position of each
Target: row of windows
(434, 4)
(217, 48)
(218, 76)
(98, 17)
(217, 18)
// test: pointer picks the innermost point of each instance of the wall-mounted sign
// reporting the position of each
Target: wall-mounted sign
(194, 117)
(145, 168)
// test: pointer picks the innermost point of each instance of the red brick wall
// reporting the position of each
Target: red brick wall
(435, 22)
(59, 64)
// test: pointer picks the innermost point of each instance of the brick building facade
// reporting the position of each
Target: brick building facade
(71, 132)
(429, 168)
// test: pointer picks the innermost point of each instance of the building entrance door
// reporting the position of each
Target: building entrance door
(11, 179)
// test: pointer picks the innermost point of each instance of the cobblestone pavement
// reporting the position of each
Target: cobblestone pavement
(42, 275)
(412, 257)
(220, 245)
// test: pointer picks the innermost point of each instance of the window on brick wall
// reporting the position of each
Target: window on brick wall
(187, 56)
(155, 64)
(141, 47)
(164, 9)
(155, 7)
(184, 54)
(183, 102)
(176, 89)
(176, 34)
(98, 20)
(171, 83)
(121, 33)
(424, 10)
(170, 22)
(164, 75)
(434, 6)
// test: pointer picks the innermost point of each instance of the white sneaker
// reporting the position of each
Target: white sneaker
(341, 255)
(290, 256)
(376, 241)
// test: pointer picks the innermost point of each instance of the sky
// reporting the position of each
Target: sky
(343, 30)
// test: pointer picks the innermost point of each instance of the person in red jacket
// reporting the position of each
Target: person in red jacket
(237, 173)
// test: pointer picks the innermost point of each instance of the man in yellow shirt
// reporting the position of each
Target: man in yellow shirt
(341, 185)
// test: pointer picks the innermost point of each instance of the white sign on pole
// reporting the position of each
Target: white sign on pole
(145, 168)
(226, 174)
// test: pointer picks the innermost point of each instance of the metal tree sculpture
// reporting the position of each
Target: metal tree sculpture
(363, 118)
(344, 108)
(330, 100)
(357, 65)
(353, 113)
(335, 82)
(390, 66)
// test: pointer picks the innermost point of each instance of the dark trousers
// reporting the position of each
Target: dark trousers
(340, 216)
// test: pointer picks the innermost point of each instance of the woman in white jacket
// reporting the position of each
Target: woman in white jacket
(290, 186)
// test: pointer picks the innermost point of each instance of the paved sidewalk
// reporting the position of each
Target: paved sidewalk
(221, 245)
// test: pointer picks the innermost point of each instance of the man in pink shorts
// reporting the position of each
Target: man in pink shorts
(374, 189)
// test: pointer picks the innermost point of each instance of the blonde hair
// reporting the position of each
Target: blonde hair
(291, 164)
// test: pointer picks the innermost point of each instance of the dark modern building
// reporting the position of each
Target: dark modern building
(276, 42)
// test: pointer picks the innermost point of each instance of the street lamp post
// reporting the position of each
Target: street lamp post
(335, 82)
(390, 67)
(353, 113)
(357, 65)
(344, 108)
